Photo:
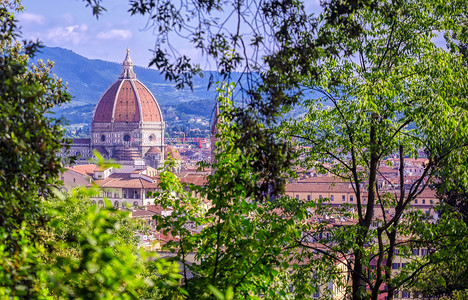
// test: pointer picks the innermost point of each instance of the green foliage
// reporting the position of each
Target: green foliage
(92, 254)
(29, 141)
(385, 89)
(237, 226)
(52, 245)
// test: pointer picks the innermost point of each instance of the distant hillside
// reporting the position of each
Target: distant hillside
(88, 79)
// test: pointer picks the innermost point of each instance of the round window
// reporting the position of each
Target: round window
(151, 138)
(126, 138)
(103, 138)
(78, 154)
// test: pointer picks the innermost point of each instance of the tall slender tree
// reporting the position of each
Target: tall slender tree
(384, 88)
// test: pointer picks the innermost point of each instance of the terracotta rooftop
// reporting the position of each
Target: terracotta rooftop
(154, 150)
(194, 179)
(83, 169)
(173, 153)
(121, 180)
(141, 213)
(312, 187)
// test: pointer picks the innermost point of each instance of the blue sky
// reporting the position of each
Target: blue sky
(69, 24)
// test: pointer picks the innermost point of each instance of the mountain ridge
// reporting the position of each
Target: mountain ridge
(88, 79)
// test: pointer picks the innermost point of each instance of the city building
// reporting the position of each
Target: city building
(127, 125)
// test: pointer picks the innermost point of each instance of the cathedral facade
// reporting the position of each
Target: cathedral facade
(127, 124)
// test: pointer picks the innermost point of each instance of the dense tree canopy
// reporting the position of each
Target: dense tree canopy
(372, 84)
(54, 245)
(29, 167)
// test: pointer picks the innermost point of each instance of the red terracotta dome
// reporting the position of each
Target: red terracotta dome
(127, 100)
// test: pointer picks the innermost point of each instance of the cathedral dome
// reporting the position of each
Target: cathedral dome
(127, 100)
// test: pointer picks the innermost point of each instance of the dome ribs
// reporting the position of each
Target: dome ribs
(126, 104)
(105, 107)
(150, 108)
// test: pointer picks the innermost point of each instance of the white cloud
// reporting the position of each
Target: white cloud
(32, 18)
(115, 34)
(75, 34)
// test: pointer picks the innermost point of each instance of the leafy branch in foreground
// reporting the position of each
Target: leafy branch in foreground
(92, 253)
(237, 229)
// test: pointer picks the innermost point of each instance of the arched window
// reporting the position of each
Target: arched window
(126, 138)
(135, 203)
(116, 204)
(101, 203)
(103, 138)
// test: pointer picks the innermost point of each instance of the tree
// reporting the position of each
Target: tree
(52, 245)
(29, 167)
(447, 275)
(91, 253)
(239, 237)
(385, 90)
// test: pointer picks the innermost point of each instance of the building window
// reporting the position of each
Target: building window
(74, 179)
(405, 294)
(415, 251)
(432, 201)
(103, 138)
(297, 197)
(332, 197)
(424, 201)
(415, 201)
(316, 294)
(424, 252)
(395, 266)
(320, 197)
(126, 138)
(308, 197)
(351, 198)
(343, 197)
(396, 294)
(396, 251)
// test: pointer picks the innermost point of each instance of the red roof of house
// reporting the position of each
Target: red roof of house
(83, 169)
(121, 180)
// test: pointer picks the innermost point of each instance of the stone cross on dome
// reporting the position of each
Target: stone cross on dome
(127, 68)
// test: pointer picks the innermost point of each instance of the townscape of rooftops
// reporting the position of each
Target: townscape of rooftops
(128, 127)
